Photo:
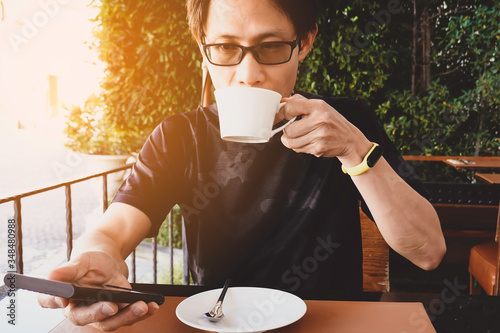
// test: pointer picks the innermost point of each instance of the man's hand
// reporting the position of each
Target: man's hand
(96, 268)
(322, 131)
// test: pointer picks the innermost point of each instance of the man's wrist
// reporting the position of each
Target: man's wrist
(357, 155)
(368, 162)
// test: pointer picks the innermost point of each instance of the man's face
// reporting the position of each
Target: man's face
(250, 22)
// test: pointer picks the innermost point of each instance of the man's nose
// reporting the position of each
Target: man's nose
(249, 72)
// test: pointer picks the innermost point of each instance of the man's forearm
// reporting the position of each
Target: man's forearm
(407, 221)
(122, 228)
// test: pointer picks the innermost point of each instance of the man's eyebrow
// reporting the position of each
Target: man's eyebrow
(277, 33)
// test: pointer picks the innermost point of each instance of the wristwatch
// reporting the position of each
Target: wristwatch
(371, 158)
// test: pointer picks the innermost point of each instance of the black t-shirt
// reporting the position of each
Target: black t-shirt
(260, 213)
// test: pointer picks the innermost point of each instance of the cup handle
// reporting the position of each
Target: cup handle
(273, 132)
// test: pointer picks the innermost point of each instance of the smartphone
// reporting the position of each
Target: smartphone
(85, 294)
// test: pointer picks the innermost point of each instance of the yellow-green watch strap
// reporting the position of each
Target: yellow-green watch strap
(368, 162)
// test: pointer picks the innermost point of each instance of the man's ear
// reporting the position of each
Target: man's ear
(198, 42)
(307, 42)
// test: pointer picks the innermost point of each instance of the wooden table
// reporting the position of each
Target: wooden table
(321, 316)
(451, 310)
(491, 178)
(474, 162)
(460, 162)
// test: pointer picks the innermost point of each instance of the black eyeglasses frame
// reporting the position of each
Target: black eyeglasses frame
(251, 49)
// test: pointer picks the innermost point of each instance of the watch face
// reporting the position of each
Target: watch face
(374, 156)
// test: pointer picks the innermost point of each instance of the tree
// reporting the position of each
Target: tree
(478, 35)
(350, 57)
(454, 81)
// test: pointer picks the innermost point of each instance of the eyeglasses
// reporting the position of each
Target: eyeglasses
(267, 53)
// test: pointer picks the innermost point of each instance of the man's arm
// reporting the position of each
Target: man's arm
(406, 220)
(122, 228)
(98, 258)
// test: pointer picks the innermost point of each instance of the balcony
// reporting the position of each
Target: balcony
(143, 262)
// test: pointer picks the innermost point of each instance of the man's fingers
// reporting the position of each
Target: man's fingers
(295, 143)
(295, 106)
(315, 114)
(127, 316)
(82, 313)
(298, 129)
(52, 302)
(107, 316)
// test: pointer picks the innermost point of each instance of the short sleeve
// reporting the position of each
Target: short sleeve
(157, 179)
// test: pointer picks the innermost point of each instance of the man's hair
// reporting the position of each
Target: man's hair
(302, 14)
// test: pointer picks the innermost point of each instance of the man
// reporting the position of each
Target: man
(258, 213)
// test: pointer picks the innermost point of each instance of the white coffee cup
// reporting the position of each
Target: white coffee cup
(246, 114)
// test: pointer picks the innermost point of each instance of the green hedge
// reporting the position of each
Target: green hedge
(152, 64)
(364, 51)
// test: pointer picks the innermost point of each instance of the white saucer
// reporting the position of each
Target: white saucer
(246, 310)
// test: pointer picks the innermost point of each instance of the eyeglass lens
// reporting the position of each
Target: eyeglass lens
(266, 53)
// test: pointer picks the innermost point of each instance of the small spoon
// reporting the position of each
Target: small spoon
(216, 313)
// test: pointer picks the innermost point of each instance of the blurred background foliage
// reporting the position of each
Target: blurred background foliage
(152, 65)
(429, 68)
